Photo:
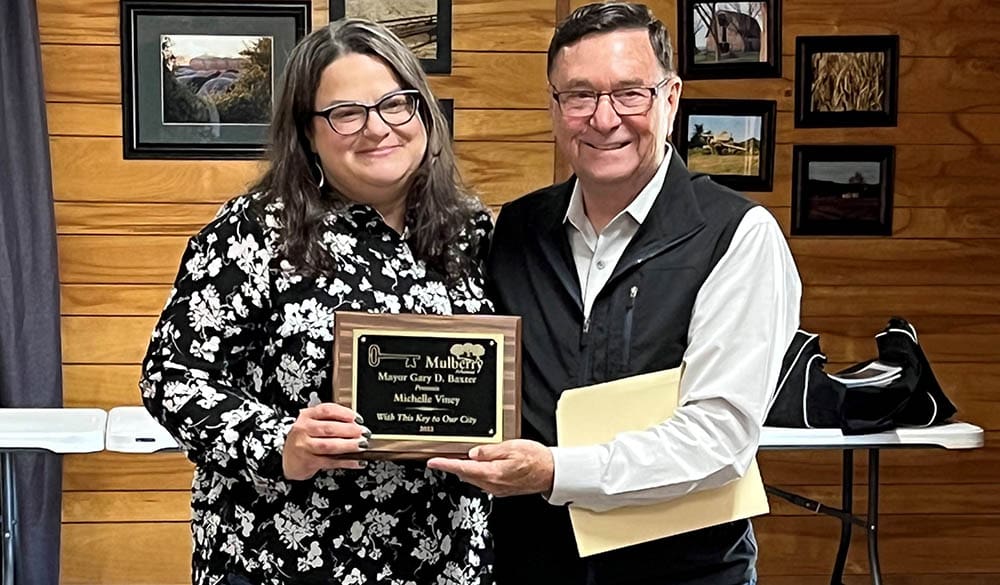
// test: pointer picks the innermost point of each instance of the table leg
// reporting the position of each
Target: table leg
(8, 499)
(847, 503)
(872, 528)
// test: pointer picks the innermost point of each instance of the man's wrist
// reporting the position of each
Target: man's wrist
(576, 474)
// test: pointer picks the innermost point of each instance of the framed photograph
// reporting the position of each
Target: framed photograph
(846, 81)
(729, 40)
(424, 25)
(731, 140)
(199, 80)
(842, 190)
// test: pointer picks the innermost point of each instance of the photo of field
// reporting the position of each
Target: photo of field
(216, 79)
(843, 190)
(848, 82)
(724, 145)
(730, 32)
(413, 21)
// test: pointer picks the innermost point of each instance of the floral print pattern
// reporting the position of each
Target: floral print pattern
(244, 343)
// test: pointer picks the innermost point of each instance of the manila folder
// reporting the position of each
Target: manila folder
(595, 414)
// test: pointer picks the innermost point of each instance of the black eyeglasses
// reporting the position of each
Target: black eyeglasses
(627, 101)
(395, 109)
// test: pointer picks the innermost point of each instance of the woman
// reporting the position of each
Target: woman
(359, 210)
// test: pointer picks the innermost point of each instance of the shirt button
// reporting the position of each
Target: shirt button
(600, 264)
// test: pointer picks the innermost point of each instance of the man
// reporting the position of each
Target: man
(631, 266)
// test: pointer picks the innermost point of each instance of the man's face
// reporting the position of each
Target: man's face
(608, 148)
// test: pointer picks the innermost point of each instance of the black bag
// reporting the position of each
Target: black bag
(807, 397)
(913, 399)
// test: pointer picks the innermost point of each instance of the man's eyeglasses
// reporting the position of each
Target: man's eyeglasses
(627, 101)
(395, 109)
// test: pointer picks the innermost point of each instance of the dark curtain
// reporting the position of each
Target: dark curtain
(30, 360)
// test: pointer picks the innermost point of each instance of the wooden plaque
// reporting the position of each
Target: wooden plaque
(429, 385)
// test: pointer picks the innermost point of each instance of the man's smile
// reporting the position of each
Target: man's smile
(609, 146)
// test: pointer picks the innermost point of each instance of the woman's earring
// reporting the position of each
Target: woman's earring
(322, 176)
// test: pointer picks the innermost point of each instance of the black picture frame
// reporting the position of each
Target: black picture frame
(877, 56)
(411, 29)
(707, 151)
(743, 32)
(833, 193)
(185, 107)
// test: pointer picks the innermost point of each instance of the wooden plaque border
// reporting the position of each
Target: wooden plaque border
(346, 322)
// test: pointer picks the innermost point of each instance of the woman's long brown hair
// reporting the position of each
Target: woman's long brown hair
(438, 205)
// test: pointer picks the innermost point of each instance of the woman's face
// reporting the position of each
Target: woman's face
(375, 164)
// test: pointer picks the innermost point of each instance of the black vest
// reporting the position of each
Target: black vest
(638, 324)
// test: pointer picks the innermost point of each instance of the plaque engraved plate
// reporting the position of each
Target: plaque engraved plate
(429, 385)
(446, 390)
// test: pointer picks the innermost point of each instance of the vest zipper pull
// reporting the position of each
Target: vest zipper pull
(585, 353)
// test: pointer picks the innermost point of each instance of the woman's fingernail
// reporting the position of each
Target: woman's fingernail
(362, 463)
(363, 443)
(366, 432)
(359, 420)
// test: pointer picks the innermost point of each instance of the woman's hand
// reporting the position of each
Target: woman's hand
(319, 436)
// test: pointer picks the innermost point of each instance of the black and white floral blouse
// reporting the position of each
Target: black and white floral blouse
(241, 346)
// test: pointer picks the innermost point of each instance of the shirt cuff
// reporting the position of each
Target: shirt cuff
(577, 475)
(265, 468)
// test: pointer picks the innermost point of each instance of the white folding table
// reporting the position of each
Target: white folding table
(56, 430)
(948, 436)
(132, 430)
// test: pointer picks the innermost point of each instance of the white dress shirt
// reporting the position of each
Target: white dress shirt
(744, 317)
(596, 255)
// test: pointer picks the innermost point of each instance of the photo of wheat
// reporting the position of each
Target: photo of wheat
(845, 81)
(848, 82)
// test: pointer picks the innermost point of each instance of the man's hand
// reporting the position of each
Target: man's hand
(511, 468)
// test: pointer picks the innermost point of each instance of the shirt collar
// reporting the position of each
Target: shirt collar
(638, 209)
(363, 215)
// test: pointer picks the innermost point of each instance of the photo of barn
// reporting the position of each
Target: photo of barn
(730, 31)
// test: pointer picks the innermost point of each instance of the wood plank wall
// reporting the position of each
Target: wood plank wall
(122, 226)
